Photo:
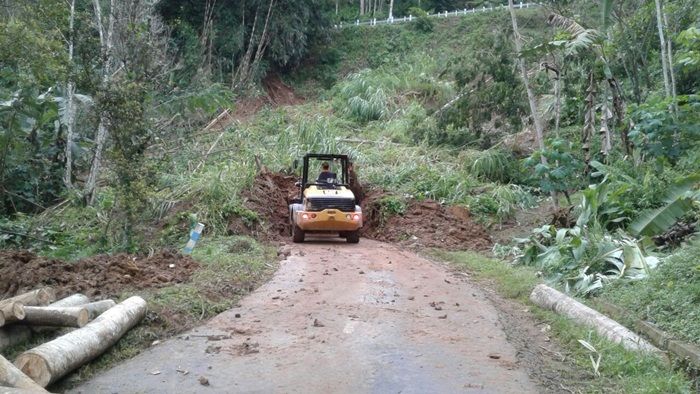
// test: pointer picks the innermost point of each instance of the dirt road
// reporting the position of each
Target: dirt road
(367, 318)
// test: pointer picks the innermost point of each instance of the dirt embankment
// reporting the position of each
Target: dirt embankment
(99, 276)
(425, 223)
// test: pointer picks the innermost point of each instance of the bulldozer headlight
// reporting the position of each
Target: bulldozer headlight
(313, 216)
(356, 217)
(348, 216)
(305, 216)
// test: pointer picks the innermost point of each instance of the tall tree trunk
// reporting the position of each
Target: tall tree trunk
(262, 44)
(70, 109)
(526, 81)
(539, 134)
(588, 123)
(664, 57)
(206, 39)
(336, 6)
(391, 9)
(669, 53)
(243, 69)
(362, 7)
(102, 130)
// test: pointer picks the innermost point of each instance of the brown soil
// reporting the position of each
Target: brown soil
(425, 223)
(99, 276)
(269, 198)
(279, 92)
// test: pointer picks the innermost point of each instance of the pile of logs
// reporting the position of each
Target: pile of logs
(88, 330)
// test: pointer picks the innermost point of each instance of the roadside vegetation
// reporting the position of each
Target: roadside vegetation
(611, 367)
(107, 147)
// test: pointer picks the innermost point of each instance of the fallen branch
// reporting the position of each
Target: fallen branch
(49, 362)
(549, 298)
(15, 379)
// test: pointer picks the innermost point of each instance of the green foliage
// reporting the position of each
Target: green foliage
(510, 280)
(562, 171)
(669, 297)
(423, 23)
(679, 201)
(293, 27)
(390, 206)
(620, 370)
(492, 95)
(658, 133)
(493, 165)
(584, 258)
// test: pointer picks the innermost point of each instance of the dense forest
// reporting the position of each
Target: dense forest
(587, 111)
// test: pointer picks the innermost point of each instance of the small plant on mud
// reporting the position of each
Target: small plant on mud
(390, 206)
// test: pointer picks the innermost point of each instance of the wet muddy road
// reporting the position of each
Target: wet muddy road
(366, 318)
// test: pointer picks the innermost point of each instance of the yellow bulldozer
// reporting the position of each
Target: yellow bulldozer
(325, 203)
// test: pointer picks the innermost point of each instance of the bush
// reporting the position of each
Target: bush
(423, 22)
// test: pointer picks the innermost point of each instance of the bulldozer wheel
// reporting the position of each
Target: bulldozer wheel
(353, 237)
(297, 234)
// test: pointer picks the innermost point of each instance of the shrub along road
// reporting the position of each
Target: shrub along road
(342, 318)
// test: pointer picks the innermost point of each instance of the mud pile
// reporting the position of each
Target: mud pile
(269, 197)
(426, 223)
(97, 277)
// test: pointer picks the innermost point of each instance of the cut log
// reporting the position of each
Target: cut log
(14, 390)
(74, 300)
(98, 307)
(549, 298)
(14, 378)
(56, 316)
(48, 362)
(12, 311)
(13, 334)
(39, 297)
(16, 334)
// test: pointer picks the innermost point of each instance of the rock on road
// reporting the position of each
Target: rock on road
(338, 318)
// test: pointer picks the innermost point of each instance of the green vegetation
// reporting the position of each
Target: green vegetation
(669, 298)
(104, 146)
(619, 370)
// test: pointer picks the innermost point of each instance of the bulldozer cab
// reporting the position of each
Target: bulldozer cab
(325, 203)
(325, 171)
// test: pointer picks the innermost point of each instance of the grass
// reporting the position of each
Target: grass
(670, 297)
(621, 371)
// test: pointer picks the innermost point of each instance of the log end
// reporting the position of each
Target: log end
(18, 311)
(34, 367)
(46, 295)
(83, 317)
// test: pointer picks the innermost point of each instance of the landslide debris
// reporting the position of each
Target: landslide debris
(425, 223)
(101, 276)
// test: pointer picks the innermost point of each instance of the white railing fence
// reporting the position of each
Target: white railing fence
(446, 14)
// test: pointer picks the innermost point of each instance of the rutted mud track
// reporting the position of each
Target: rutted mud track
(339, 318)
